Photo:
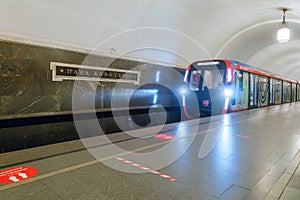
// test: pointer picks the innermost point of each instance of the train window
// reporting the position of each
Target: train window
(272, 90)
(289, 92)
(278, 88)
(286, 92)
(263, 94)
(245, 89)
(294, 92)
(233, 97)
(240, 77)
(194, 82)
(212, 79)
(206, 79)
(263, 83)
(253, 90)
(239, 97)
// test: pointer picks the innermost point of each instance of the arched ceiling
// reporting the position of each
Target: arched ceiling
(182, 29)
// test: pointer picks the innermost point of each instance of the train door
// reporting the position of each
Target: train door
(239, 98)
(286, 92)
(294, 92)
(278, 91)
(272, 86)
(263, 91)
(253, 85)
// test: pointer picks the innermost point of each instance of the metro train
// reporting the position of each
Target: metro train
(223, 86)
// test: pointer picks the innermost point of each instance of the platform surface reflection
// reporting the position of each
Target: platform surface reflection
(252, 154)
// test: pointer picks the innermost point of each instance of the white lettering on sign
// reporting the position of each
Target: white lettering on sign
(17, 174)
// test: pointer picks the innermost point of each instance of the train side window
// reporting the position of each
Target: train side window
(233, 97)
(263, 84)
(194, 82)
(263, 90)
(253, 89)
(294, 92)
(238, 93)
(240, 77)
(278, 91)
(272, 91)
(287, 92)
(208, 80)
(238, 83)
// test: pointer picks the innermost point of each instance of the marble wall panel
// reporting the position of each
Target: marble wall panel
(26, 79)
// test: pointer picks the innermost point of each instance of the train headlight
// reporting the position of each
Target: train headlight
(183, 91)
(227, 92)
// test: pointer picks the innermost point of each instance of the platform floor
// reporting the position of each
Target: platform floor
(247, 155)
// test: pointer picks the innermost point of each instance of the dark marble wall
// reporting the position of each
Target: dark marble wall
(26, 85)
(34, 110)
(26, 79)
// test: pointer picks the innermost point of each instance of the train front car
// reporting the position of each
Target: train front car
(210, 82)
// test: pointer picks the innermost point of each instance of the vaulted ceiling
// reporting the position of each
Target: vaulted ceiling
(169, 31)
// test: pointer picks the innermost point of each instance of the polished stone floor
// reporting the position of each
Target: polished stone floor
(247, 155)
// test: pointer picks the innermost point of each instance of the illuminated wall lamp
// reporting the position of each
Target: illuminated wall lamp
(283, 32)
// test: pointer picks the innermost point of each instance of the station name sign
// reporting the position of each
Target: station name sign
(65, 71)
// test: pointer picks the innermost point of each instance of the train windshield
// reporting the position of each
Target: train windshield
(204, 77)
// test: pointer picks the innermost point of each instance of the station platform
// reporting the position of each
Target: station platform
(252, 154)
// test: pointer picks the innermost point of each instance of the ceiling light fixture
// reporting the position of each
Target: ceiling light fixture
(283, 32)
